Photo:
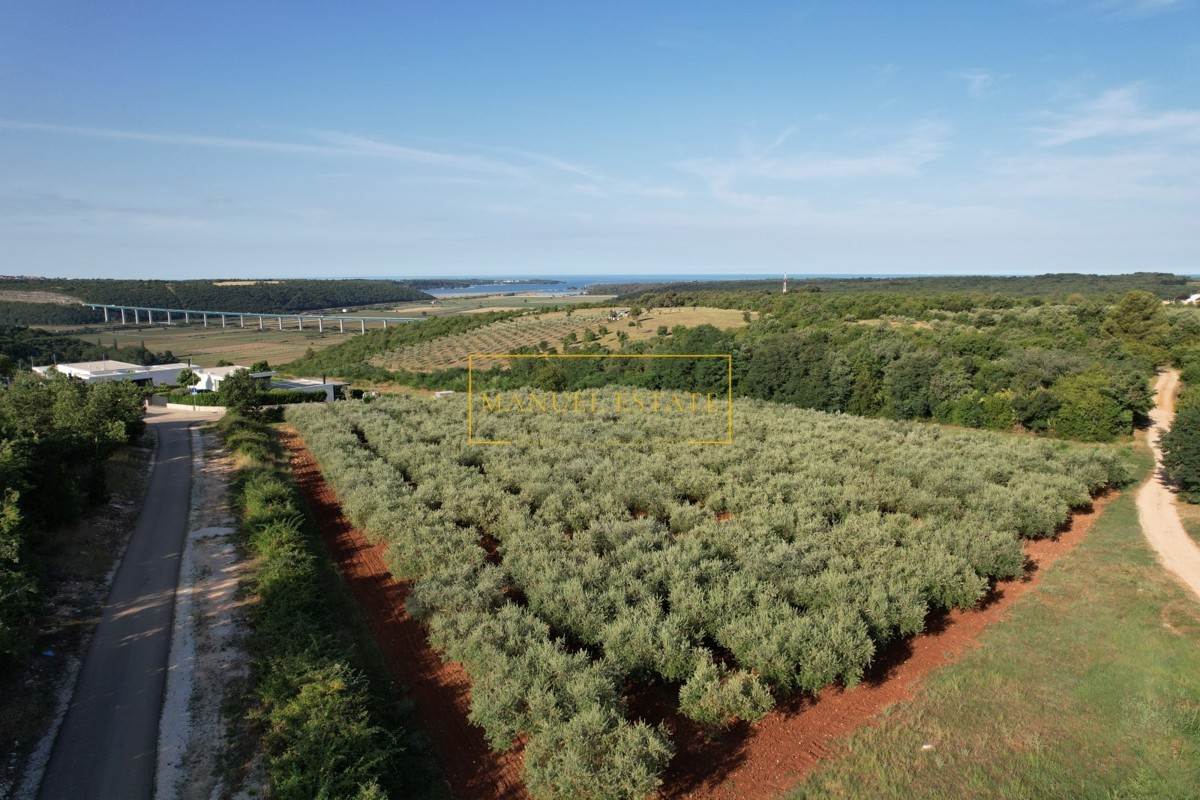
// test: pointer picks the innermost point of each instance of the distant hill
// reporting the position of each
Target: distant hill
(262, 296)
(29, 346)
(1163, 284)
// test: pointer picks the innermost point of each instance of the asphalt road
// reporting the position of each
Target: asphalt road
(107, 745)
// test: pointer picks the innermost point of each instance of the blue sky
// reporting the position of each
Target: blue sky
(276, 139)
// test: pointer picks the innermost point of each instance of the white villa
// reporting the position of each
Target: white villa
(164, 374)
(108, 370)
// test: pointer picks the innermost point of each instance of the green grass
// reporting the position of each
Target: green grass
(330, 720)
(1090, 687)
(1189, 515)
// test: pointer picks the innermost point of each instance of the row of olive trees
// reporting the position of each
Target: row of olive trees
(778, 563)
(525, 681)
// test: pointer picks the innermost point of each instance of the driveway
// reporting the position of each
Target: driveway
(107, 745)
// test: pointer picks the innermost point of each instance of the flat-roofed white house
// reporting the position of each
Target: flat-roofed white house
(211, 377)
(330, 388)
(109, 370)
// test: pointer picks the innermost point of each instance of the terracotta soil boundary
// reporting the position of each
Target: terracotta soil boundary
(753, 762)
(441, 691)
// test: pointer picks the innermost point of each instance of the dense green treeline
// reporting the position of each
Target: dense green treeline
(29, 346)
(1079, 370)
(54, 436)
(13, 313)
(1076, 369)
(1054, 285)
(267, 297)
(561, 574)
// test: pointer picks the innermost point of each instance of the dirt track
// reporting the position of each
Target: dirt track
(1156, 499)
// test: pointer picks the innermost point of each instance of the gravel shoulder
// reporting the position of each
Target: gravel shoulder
(208, 662)
(1156, 499)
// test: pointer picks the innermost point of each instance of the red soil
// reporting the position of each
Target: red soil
(441, 690)
(752, 762)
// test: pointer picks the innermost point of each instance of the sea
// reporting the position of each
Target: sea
(563, 285)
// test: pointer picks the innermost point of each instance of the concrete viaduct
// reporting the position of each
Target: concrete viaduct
(140, 315)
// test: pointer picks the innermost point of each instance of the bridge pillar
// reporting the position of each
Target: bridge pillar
(363, 322)
(135, 316)
(122, 316)
(320, 324)
(342, 325)
(300, 322)
(385, 324)
(106, 314)
(187, 318)
(222, 320)
(260, 322)
(168, 317)
(281, 323)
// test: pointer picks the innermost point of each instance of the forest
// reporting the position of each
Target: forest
(1078, 369)
(25, 347)
(17, 313)
(54, 437)
(1057, 286)
(560, 576)
(266, 297)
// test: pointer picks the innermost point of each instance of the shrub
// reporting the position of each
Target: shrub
(1181, 452)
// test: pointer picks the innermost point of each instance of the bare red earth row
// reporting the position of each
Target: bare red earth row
(752, 762)
(441, 691)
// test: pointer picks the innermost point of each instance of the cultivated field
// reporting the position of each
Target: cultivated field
(550, 329)
(492, 302)
(567, 579)
(499, 337)
(208, 345)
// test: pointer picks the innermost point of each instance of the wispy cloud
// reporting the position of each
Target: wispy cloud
(980, 81)
(1119, 112)
(595, 182)
(1144, 175)
(327, 144)
(1136, 8)
(905, 157)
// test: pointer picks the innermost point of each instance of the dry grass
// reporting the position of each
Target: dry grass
(1189, 515)
(448, 306)
(38, 297)
(208, 345)
(653, 318)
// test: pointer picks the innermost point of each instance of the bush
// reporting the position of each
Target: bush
(322, 734)
(595, 755)
(1181, 452)
(320, 740)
